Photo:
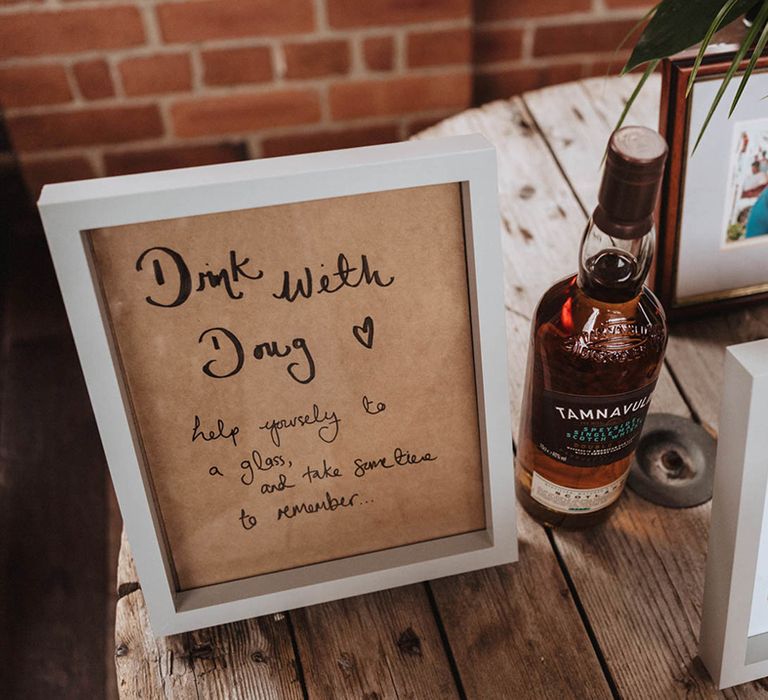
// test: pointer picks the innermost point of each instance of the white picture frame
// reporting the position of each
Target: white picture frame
(69, 209)
(738, 540)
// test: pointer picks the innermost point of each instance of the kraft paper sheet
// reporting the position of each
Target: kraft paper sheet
(238, 505)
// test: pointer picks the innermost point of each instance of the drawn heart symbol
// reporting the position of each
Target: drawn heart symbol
(364, 333)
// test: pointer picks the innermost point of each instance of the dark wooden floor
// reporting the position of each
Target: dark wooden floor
(57, 519)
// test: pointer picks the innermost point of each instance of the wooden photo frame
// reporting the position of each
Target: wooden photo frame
(703, 263)
(233, 321)
(734, 628)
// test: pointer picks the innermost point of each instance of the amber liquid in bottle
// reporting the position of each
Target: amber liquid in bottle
(597, 345)
(595, 335)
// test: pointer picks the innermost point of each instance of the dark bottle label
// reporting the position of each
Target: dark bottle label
(589, 431)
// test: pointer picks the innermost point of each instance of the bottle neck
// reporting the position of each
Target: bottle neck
(613, 270)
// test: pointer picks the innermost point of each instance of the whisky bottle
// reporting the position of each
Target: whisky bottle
(597, 344)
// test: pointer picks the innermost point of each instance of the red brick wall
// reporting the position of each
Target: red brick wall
(102, 87)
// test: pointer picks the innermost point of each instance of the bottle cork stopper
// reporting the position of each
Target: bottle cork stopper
(634, 167)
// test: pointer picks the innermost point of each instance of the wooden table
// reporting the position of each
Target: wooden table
(610, 612)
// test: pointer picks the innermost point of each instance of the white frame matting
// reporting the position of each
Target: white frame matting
(69, 209)
(739, 515)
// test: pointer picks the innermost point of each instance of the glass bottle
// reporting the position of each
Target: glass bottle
(597, 345)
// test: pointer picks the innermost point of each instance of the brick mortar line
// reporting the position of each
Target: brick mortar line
(143, 50)
(197, 71)
(238, 137)
(526, 49)
(116, 77)
(402, 130)
(213, 91)
(74, 87)
(152, 33)
(326, 116)
(399, 53)
(161, 48)
(253, 148)
(357, 65)
(319, 11)
(26, 7)
(322, 25)
(547, 61)
(321, 15)
(563, 20)
(95, 157)
(166, 120)
(279, 63)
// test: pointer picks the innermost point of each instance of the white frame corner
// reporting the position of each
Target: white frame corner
(738, 511)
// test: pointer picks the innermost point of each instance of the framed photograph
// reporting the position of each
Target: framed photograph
(713, 224)
(734, 629)
(298, 370)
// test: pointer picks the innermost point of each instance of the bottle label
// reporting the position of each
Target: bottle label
(589, 431)
(568, 500)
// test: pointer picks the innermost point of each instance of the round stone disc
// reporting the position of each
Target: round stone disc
(674, 462)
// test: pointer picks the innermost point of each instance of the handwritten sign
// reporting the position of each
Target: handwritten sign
(300, 377)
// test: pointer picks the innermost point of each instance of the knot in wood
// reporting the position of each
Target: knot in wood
(259, 657)
(409, 643)
(201, 651)
(526, 192)
(346, 663)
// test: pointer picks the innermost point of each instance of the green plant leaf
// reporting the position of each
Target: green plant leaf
(716, 24)
(677, 25)
(627, 36)
(754, 30)
(635, 27)
(646, 74)
(756, 53)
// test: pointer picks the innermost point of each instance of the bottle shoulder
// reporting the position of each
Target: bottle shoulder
(566, 307)
(574, 336)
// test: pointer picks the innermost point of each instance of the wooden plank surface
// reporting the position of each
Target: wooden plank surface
(603, 562)
(626, 595)
(515, 631)
(249, 659)
(386, 643)
(363, 647)
(641, 576)
(524, 612)
(383, 645)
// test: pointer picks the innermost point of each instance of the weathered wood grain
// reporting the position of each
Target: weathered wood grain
(386, 643)
(515, 631)
(244, 660)
(511, 631)
(577, 118)
(697, 352)
(696, 348)
(640, 576)
(523, 612)
(382, 645)
(532, 263)
(389, 643)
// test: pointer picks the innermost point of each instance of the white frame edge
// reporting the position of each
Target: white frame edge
(70, 208)
(738, 503)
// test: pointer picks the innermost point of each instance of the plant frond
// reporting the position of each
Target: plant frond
(634, 28)
(716, 24)
(646, 74)
(748, 41)
(756, 53)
